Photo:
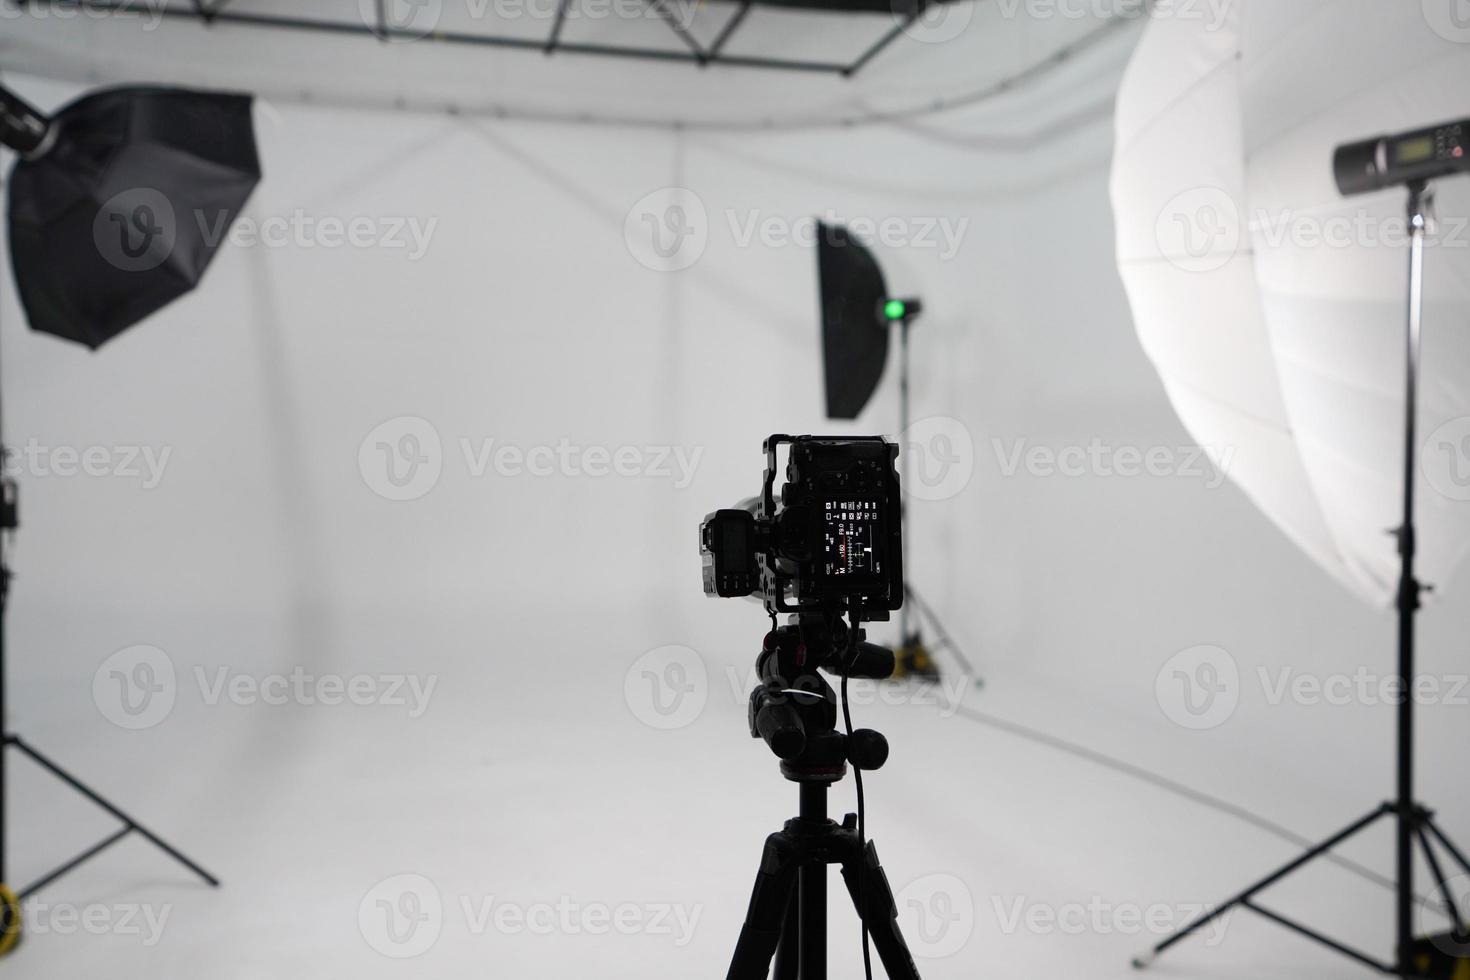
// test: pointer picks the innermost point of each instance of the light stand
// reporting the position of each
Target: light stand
(183, 153)
(8, 525)
(1417, 828)
(914, 658)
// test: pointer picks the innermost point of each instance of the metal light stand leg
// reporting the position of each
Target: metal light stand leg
(1415, 824)
(8, 523)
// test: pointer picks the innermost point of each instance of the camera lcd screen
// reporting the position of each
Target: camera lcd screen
(851, 530)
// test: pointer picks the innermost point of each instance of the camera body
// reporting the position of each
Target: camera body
(832, 538)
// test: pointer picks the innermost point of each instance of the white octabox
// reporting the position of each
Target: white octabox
(1275, 309)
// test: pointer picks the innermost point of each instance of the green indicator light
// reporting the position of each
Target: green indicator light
(894, 309)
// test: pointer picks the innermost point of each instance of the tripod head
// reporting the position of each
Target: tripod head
(795, 709)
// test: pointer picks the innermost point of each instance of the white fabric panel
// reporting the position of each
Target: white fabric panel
(1292, 320)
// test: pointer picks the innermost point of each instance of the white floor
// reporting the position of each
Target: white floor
(563, 836)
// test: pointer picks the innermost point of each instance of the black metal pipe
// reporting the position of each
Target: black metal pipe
(812, 891)
(1244, 897)
(277, 21)
(86, 791)
(729, 30)
(74, 863)
(1330, 943)
(1409, 587)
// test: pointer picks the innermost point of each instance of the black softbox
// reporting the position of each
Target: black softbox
(854, 331)
(122, 206)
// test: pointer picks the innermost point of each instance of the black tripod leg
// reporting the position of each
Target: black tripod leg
(873, 898)
(1449, 906)
(1244, 898)
(788, 962)
(132, 825)
(766, 919)
(1447, 844)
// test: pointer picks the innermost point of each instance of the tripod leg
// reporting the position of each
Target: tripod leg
(873, 898)
(812, 889)
(788, 963)
(1448, 844)
(767, 917)
(1450, 907)
(1244, 898)
(132, 825)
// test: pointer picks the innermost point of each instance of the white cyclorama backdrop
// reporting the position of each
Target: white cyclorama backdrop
(1072, 576)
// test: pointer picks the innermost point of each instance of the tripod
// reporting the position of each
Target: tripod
(10, 924)
(795, 711)
(1417, 829)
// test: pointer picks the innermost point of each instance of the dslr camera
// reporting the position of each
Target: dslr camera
(831, 539)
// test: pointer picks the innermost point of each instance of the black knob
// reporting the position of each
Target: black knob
(867, 749)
